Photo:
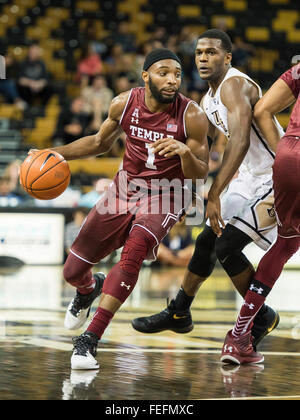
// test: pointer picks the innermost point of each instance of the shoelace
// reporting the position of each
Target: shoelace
(81, 346)
(76, 307)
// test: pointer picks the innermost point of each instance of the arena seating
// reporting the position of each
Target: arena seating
(272, 26)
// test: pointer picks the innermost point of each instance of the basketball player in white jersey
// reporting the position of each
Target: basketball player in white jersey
(239, 210)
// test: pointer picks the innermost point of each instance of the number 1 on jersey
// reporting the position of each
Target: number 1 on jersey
(151, 156)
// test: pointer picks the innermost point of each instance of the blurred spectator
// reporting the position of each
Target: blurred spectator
(130, 68)
(99, 188)
(98, 91)
(8, 86)
(12, 171)
(89, 66)
(121, 84)
(8, 198)
(241, 53)
(72, 228)
(186, 50)
(113, 62)
(177, 247)
(90, 35)
(124, 37)
(33, 82)
(73, 123)
(160, 34)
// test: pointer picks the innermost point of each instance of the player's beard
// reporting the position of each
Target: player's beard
(158, 96)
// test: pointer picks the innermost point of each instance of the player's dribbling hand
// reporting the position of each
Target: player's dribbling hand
(168, 147)
(213, 213)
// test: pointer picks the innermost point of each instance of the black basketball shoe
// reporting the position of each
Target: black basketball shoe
(169, 319)
(85, 351)
(263, 324)
(79, 308)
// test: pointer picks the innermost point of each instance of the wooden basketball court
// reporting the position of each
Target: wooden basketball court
(36, 349)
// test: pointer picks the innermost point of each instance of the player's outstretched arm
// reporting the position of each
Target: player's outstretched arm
(100, 142)
(276, 99)
(238, 95)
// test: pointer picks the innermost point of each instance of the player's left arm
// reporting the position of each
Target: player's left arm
(238, 95)
(194, 154)
(275, 100)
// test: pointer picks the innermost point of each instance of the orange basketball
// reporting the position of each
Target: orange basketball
(45, 174)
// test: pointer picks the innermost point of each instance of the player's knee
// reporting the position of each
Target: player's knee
(74, 270)
(224, 248)
(70, 274)
(229, 253)
(289, 246)
(136, 249)
(203, 260)
(232, 241)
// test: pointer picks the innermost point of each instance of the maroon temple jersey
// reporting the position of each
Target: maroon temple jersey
(143, 128)
(292, 79)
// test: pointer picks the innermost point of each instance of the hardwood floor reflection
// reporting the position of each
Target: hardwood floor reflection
(35, 348)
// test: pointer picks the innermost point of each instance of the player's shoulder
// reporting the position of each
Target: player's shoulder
(118, 104)
(239, 86)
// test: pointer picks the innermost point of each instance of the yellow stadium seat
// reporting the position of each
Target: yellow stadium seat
(255, 34)
(188, 11)
(235, 5)
(87, 5)
(227, 19)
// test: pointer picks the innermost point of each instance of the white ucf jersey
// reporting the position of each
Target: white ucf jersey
(248, 202)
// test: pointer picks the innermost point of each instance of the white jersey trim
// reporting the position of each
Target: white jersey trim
(125, 107)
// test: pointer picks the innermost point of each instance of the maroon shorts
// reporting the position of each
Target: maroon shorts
(111, 220)
(286, 176)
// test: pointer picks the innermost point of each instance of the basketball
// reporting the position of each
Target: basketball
(45, 174)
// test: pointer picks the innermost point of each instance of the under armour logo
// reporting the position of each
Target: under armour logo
(125, 285)
(256, 289)
(250, 305)
(134, 120)
(228, 349)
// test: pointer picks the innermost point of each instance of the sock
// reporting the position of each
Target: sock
(252, 304)
(100, 321)
(88, 287)
(182, 300)
(268, 271)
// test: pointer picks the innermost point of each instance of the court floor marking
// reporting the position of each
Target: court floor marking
(271, 397)
(58, 345)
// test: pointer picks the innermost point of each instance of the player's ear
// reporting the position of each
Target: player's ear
(145, 76)
(228, 58)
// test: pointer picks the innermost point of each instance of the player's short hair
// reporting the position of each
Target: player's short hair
(218, 34)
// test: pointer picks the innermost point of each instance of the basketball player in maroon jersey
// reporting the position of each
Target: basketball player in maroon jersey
(166, 139)
(285, 91)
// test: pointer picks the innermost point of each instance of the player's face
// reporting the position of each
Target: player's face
(164, 79)
(211, 59)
